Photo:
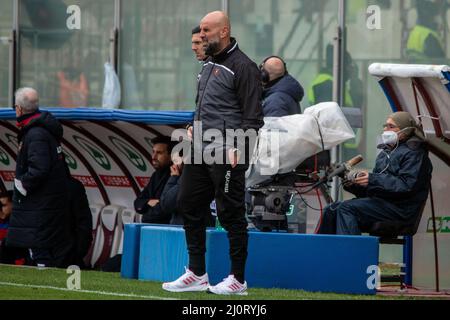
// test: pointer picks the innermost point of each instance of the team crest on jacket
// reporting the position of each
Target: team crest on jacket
(216, 71)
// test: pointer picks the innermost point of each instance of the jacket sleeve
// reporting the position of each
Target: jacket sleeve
(358, 191)
(150, 214)
(39, 161)
(401, 184)
(276, 105)
(140, 204)
(249, 90)
(168, 199)
(156, 214)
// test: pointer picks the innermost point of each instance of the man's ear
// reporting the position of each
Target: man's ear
(224, 32)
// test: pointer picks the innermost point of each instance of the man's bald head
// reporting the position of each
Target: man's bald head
(215, 32)
(275, 68)
(218, 18)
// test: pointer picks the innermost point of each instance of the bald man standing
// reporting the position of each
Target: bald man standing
(282, 93)
(228, 98)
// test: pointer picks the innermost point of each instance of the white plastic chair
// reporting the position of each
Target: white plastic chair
(127, 216)
(96, 209)
(104, 242)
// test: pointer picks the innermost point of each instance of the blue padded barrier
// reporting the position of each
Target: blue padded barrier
(131, 248)
(163, 253)
(275, 260)
(130, 256)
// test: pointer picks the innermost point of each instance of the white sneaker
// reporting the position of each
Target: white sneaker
(229, 286)
(188, 282)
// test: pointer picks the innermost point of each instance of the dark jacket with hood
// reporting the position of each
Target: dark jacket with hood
(282, 98)
(401, 177)
(39, 218)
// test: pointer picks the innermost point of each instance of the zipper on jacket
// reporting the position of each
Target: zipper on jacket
(204, 91)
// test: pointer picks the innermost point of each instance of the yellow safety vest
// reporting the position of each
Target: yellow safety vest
(322, 78)
(415, 47)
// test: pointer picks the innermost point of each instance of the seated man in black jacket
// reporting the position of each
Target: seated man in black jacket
(395, 190)
(148, 202)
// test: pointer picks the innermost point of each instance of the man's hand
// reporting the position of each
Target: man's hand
(174, 170)
(362, 179)
(153, 202)
(233, 156)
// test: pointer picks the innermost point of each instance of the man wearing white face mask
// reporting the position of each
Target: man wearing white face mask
(394, 191)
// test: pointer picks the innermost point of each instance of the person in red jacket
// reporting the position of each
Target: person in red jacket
(9, 255)
(5, 212)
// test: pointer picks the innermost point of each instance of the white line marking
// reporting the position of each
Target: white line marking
(83, 291)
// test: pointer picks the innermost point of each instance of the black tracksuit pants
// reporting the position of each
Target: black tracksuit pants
(200, 184)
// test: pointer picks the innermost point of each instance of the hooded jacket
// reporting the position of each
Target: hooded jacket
(39, 216)
(283, 98)
(401, 177)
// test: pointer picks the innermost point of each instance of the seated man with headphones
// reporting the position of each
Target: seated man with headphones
(282, 93)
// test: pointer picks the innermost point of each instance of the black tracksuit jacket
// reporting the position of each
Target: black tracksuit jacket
(229, 92)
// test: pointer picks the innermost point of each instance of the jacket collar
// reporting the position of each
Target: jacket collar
(270, 84)
(225, 53)
(24, 120)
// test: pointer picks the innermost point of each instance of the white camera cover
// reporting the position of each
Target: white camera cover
(285, 142)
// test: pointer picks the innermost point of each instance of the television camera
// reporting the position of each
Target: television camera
(279, 203)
